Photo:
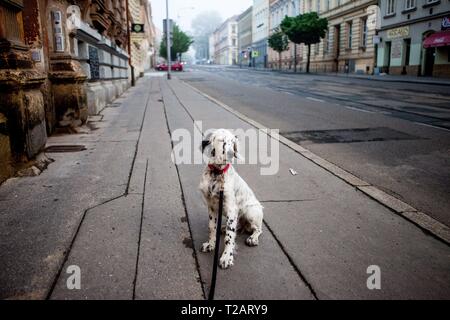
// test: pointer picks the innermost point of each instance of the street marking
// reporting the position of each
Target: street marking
(287, 92)
(431, 126)
(357, 109)
(315, 99)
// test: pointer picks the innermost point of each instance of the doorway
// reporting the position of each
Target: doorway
(387, 56)
(429, 61)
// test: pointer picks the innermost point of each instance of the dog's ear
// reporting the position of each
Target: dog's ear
(206, 141)
(237, 155)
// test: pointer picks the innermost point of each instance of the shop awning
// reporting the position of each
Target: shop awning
(438, 39)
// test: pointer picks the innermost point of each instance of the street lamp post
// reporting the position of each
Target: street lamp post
(168, 41)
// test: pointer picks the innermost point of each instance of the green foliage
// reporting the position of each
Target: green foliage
(278, 41)
(180, 44)
(305, 28)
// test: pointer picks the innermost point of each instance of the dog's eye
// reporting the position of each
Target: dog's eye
(213, 152)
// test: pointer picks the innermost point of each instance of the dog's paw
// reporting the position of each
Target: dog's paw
(226, 261)
(252, 241)
(207, 247)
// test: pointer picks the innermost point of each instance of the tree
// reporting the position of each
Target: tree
(305, 28)
(180, 44)
(203, 25)
(279, 42)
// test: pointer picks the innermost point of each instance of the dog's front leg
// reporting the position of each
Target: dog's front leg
(226, 260)
(212, 226)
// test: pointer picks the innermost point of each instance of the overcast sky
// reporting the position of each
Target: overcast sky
(181, 10)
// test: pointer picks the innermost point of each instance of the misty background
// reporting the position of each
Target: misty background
(198, 18)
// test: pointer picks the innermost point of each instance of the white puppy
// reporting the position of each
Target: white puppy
(240, 204)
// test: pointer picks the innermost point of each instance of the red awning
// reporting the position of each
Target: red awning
(438, 39)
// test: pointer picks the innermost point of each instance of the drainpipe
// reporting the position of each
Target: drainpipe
(133, 82)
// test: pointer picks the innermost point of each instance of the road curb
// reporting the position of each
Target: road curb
(396, 205)
(344, 76)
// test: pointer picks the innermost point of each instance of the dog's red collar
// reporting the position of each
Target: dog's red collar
(216, 170)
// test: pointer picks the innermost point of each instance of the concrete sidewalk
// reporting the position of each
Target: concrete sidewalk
(133, 221)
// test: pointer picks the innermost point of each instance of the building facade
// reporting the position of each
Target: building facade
(414, 38)
(143, 54)
(59, 62)
(245, 39)
(260, 33)
(226, 42)
(278, 10)
(348, 44)
(212, 47)
(22, 110)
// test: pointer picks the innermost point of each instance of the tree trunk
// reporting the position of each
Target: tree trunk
(295, 57)
(279, 60)
(309, 58)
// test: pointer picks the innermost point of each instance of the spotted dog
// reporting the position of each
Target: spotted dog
(241, 208)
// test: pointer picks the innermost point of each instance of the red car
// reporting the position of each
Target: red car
(176, 66)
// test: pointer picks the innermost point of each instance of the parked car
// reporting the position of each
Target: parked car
(176, 66)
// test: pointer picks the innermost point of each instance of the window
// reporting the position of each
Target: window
(410, 4)
(327, 5)
(390, 9)
(431, 1)
(349, 35)
(364, 31)
(318, 6)
(326, 43)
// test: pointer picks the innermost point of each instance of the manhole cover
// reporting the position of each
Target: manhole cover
(65, 148)
(348, 135)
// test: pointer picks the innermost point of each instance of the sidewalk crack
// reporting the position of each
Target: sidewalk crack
(183, 199)
(140, 232)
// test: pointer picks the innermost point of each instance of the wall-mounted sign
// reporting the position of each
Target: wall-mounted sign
(445, 24)
(396, 49)
(376, 40)
(398, 33)
(137, 27)
(36, 55)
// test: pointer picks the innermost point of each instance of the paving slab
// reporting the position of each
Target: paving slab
(263, 272)
(332, 231)
(39, 215)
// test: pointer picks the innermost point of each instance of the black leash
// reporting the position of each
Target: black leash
(216, 251)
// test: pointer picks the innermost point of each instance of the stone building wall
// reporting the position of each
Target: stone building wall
(22, 115)
(142, 43)
(60, 61)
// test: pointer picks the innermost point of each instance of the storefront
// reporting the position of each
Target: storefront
(416, 49)
(436, 47)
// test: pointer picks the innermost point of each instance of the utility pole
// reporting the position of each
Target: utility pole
(168, 41)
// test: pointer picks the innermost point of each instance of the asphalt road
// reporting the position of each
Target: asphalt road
(394, 135)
